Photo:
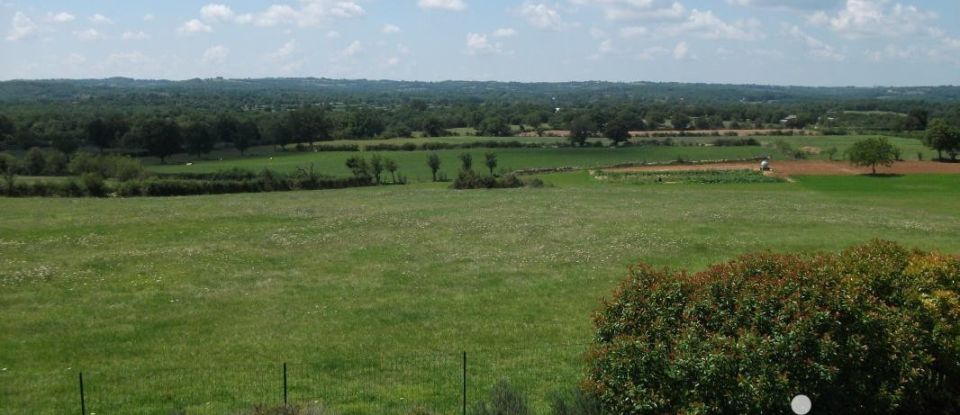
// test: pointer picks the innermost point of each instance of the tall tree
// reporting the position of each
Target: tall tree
(580, 129)
(161, 138)
(433, 161)
(617, 131)
(873, 152)
(226, 128)
(247, 134)
(100, 134)
(199, 139)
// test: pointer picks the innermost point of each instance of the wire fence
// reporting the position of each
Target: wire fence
(350, 383)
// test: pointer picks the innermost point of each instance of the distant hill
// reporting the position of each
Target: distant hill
(301, 90)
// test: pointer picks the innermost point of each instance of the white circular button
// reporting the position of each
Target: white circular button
(801, 405)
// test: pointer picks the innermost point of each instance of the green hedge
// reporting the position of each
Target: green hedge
(872, 330)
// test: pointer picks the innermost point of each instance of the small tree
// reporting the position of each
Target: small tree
(490, 159)
(358, 166)
(199, 139)
(8, 168)
(392, 167)
(873, 152)
(467, 160)
(434, 162)
(34, 162)
(942, 137)
(376, 167)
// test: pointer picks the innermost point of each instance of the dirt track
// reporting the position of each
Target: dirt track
(800, 168)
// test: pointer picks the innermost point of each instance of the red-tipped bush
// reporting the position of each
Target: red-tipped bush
(871, 330)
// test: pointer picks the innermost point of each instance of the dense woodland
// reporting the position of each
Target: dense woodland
(162, 118)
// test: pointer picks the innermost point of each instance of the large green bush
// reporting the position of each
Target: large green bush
(872, 330)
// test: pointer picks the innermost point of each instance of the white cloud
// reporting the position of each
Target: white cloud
(605, 47)
(393, 61)
(891, 52)
(453, 5)
(148, 17)
(62, 17)
(134, 36)
(541, 16)
(788, 4)
(505, 32)
(706, 25)
(637, 9)
(214, 12)
(216, 55)
(333, 34)
(194, 26)
(100, 19)
(310, 13)
(479, 44)
(389, 29)
(681, 51)
(875, 18)
(815, 47)
(89, 35)
(352, 49)
(22, 28)
(285, 51)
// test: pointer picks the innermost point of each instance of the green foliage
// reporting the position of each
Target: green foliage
(93, 184)
(468, 179)
(689, 177)
(580, 129)
(873, 152)
(575, 402)
(466, 162)
(433, 161)
(376, 167)
(503, 399)
(358, 167)
(490, 160)
(871, 330)
(122, 168)
(199, 138)
(161, 138)
(942, 137)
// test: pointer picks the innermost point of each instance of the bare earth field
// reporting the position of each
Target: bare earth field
(806, 168)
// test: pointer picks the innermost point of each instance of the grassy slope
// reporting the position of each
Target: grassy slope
(373, 292)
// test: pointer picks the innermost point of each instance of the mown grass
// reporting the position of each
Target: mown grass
(371, 294)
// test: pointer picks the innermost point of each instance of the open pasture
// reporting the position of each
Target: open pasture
(193, 303)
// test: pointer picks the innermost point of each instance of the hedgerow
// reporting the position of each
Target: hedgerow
(872, 330)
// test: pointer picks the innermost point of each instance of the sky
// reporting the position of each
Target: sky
(783, 42)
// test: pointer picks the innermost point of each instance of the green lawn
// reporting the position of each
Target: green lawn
(371, 294)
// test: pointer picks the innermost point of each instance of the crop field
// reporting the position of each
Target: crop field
(372, 294)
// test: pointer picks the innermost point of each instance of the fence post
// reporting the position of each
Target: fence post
(464, 383)
(285, 384)
(83, 400)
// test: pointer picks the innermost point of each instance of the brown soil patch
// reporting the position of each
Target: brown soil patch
(801, 168)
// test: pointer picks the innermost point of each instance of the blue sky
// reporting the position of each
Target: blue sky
(802, 42)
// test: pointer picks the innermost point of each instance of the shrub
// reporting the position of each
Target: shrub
(871, 330)
(93, 184)
(503, 400)
(575, 402)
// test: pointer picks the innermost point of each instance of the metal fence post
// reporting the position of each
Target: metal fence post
(285, 384)
(464, 383)
(83, 400)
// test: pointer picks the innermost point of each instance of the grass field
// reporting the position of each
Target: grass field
(370, 294)
(413, 163)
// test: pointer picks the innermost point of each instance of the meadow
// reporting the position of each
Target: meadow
(371, 294)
